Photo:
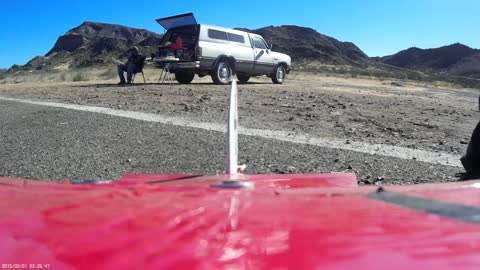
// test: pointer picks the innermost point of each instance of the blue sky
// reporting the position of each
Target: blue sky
(378, 27)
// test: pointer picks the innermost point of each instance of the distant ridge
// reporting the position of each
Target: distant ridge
(303, 43)
(452, 60)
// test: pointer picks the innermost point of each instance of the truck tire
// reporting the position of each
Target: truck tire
(184, 76)
(243, 78)
(278, 76)
(222, 73)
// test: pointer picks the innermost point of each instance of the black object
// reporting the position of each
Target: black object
(471, 159)
(139, 69)
(460, 212)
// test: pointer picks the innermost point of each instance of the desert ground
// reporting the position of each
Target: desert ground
(416, 132)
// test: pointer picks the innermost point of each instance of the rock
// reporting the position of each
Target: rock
(206, 97)
(397, 84)
(464, 141)
(367, 180)
(291, 169)
(186, 106)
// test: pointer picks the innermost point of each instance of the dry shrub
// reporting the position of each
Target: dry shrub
(80, 76)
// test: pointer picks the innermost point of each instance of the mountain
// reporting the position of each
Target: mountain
(452, 60)
(93, 43)
(303, 43)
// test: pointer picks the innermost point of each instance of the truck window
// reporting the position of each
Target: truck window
(215, 34)
(236, 38)
(222, 35)
(258, 43)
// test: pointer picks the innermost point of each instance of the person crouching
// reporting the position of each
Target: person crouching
(134, 58)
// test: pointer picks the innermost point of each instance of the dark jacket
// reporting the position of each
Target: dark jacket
(135, 58)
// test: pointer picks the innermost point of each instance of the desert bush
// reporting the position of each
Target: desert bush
(41, 77)
(414, 76)
(19, 80)
(80, 76)
(63, 77)
(110, 73)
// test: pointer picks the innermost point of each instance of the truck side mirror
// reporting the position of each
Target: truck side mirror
(270, 46)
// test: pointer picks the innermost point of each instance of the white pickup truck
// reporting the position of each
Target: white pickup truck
(220, 52)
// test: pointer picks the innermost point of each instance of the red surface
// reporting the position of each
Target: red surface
(320, 221)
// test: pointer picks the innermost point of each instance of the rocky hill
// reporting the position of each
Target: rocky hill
(94, 43)
(91, 44)
(453, 60)
(303, 43)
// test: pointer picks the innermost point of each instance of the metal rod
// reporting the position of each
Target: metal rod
(232, 132)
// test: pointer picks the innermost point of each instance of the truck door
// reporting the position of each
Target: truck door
(263, 62)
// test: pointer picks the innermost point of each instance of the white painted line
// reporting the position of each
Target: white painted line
(361, 147)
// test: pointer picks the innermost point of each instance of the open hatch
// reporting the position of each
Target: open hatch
(177, 20)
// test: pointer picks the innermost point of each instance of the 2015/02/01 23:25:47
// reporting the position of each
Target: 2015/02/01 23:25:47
(25, 266)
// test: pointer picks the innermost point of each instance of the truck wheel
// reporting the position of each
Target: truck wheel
(243, 78)
(222, 73)
(184, 76)
(278, 76)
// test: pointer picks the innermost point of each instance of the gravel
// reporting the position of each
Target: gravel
(39, 142)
